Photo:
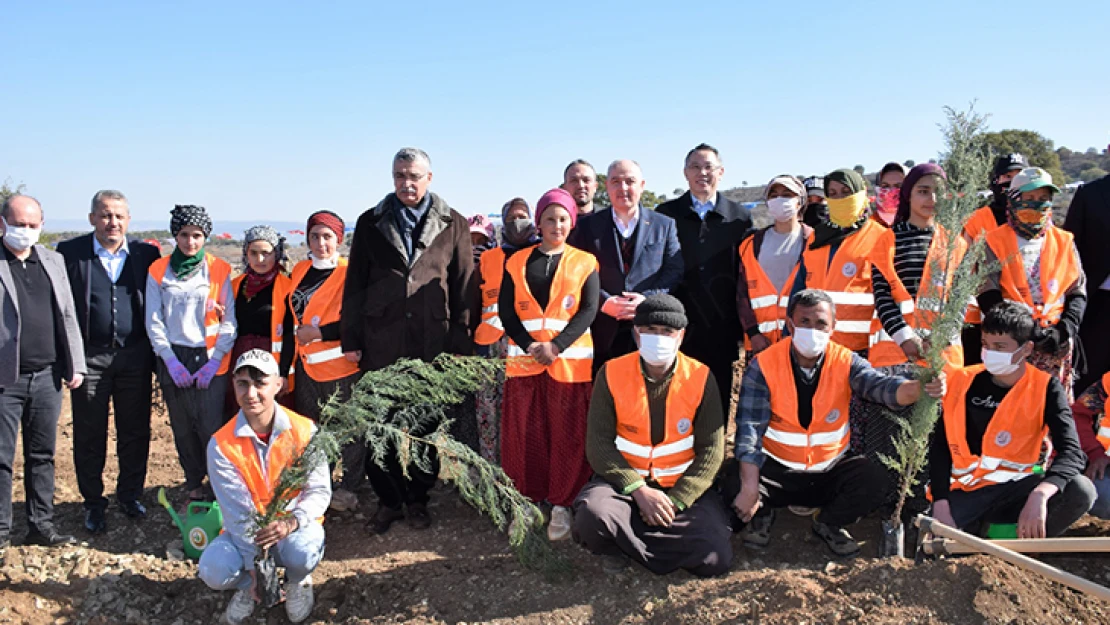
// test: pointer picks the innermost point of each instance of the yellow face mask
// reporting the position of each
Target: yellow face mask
(845, 212)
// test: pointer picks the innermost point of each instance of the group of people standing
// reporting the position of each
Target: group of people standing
(619, 329)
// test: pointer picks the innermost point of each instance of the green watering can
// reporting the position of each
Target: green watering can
(203, 522)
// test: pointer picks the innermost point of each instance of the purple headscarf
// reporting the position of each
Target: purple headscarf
(912, 178)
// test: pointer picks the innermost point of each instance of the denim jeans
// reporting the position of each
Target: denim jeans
(221, 564)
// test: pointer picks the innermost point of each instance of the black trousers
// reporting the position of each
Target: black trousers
(1094, 333)
(720, 358)
(121, 378)
(393, 489)
(846, 493)
(973, 511)
(31, 404)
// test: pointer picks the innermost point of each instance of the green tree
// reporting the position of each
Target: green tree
(601, 199)
(7, 190)
(1094, 173)
(1036, 148)
(909, 163)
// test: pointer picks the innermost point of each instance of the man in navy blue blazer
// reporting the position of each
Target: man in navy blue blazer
(638, 254)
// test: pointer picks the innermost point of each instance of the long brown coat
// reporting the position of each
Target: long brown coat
(394, 308)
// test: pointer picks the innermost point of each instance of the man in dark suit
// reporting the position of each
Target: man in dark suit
(1089, 220)
(638, 253)
(710, 228)
(107, 275)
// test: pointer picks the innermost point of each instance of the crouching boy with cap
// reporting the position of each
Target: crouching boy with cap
(655, 440)
(245, 458)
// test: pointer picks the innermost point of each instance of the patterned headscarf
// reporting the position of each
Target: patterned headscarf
(188, 215)
(267, 234)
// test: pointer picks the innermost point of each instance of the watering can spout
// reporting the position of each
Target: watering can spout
(169, 508)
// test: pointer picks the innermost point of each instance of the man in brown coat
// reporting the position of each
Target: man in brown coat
(408, 295)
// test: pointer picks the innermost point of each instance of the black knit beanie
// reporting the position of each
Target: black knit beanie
(663, 310)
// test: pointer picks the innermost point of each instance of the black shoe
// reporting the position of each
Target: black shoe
(49, 538)
(94, 521)
(417, 516)
(133, 509)
(383, 518)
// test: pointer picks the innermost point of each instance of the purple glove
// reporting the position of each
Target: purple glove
(181, 376)
(203, 376)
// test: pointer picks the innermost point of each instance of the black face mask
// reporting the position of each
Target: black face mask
(519, 232)
(998, 190)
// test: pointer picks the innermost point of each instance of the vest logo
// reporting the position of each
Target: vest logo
(833, 415)
(316, 321)
(849, 270)
(1053, 285)
(1003, 438)
(491, 293)
(522, 306)
(198, 539)
(683, 426)
(568, 302)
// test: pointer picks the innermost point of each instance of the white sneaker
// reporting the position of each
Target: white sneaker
(802, 510)
(559, 527)
(239, 608)
(299, 600)
(343, 500)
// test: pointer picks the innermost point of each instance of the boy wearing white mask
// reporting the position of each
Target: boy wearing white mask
(986, 446)
(792, 428)
(769, 261)
(655, 440)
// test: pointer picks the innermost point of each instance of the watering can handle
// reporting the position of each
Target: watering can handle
(204, 505)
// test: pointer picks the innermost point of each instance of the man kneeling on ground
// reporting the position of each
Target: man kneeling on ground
(985, 448)
(792, 433)
(245, 457)
(655, 440)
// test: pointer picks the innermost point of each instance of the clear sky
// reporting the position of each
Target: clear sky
(272, 110)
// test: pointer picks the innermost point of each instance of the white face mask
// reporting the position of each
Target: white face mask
(658, 350)
(809, 342)
(782, 208)
(20, 238)
(1000, 363)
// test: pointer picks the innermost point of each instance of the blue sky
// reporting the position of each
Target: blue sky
(272, 110)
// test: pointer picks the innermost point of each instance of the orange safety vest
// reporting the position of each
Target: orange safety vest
(919, 313)
(218, 273)
(323, 361)
(283, 451)
(847, 279)
(277, 315)
(1059, 271)
(491, 267)
(768, 305)
(1012, 442)
(666, 462)
(576, 363)
(1104, 426)
(816, 448)
(980, 223)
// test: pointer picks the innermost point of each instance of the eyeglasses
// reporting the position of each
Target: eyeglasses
(707, 169)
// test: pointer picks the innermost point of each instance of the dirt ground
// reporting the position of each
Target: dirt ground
(461, 571)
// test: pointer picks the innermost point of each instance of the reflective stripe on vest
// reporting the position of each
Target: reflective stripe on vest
(1104, 424)
(666, 462)
(918, 315)
(1058, 271)
(218, 273)
(574, 364)
(846, 277)
(1012, 441)
(768, 306)
(323, 361)
(491, 269)
(819, 446)
(282, 451)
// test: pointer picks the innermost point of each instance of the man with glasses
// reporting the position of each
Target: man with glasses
(407, 295)
(710, 228)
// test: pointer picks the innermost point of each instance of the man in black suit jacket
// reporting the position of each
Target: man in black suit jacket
(108, 277)
(638, 254)
(1089, 220)
(710, 228)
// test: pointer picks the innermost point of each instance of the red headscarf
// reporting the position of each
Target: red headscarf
(329, 219)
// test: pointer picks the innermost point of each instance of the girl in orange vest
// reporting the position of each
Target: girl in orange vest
(888, 192)
(518, 231)
(1089, 411)
(906, 296)
(836, 258)
(259, 295)
(190, 318)
(769, 261)
(1037, 266)
(549, 298)
(310, 340)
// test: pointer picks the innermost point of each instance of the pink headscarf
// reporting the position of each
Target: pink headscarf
(560, 197)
